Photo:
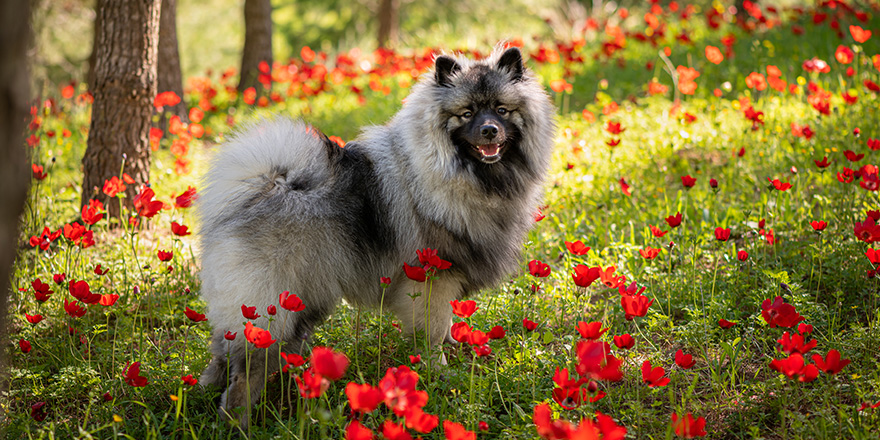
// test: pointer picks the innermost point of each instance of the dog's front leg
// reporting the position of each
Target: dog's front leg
(246, 383)
(429, 312)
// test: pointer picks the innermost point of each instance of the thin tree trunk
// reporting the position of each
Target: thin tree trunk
(15, 19)
(168, 70)
(388, 22)
(125, 86)
(90, 79)
(257, 42)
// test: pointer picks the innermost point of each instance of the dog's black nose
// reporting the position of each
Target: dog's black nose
(489, 131)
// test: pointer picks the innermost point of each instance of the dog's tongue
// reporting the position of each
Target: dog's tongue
(489, 150)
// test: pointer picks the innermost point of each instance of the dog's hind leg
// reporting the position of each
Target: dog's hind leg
(215, 374)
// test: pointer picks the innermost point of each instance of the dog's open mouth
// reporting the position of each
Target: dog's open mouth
(490, 153)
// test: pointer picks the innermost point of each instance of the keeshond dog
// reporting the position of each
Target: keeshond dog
(459, 169)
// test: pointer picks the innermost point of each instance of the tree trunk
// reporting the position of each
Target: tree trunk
(168, 69)
(90, 80)
(257, 42)
(15, 19)
(125, 86)
(388, 22)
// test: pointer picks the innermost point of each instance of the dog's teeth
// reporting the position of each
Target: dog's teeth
(489, 150)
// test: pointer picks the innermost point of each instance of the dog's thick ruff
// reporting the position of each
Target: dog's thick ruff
(284, 208)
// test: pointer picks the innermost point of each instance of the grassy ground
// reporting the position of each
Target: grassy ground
(606, 197)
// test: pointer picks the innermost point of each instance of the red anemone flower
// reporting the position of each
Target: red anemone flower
(37, 171)
(257, 336)
(591, 331)
(859, 34)
(795, 343)
(194, 316)
(793, 367)
(179, 230)
(725, 324)
(674, 220)
(832, 364)
(657, 232)
(311, 385)
(74, 309)
(41, 290)
(779, 313)
(529, 324)
(91, 213)
(429, 259)
(609, 279)
(595, 361)
(168, 98)
(634, 306)
(577, 248)
(653, 376)
(687, 426)
(35, 319)
(144, 203)
(415, 273)
(685, 361)
(356, 431)
(539, 269)
(186, 198)
(688, 181)
(463, 309)
(722, 234)
(624, 341)
(713, 54)
(133, 375)
(460, 331)
(290, 302)
(291, 359)
(189, 380)
(165, 255)
(584, 276)
(818, 226)
(108, 299)
(614, 128)
(364, 398)
(328, 363)
(497, 332)
(843, 54)
(455, 431)
(81, 291)
(249, 312)
(113, 186)
(779, 185)
(649, 253)
(38, 411)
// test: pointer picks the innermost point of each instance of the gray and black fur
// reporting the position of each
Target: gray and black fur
(459, 169)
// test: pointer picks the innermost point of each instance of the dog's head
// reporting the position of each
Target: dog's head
(482, 104)
(489, 121)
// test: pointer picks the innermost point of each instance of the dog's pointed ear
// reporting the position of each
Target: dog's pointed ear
(444, 67)
(512, 60)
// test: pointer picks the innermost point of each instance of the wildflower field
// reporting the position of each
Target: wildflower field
(703, 264)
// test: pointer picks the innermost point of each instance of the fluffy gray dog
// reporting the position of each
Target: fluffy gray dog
(459, 169)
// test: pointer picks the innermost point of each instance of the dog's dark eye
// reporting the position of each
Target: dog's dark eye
(467, 114)
(501, 111)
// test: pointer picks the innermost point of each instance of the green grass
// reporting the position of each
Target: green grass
(694, 283)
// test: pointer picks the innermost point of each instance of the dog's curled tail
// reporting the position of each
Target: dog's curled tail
(260, 162)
